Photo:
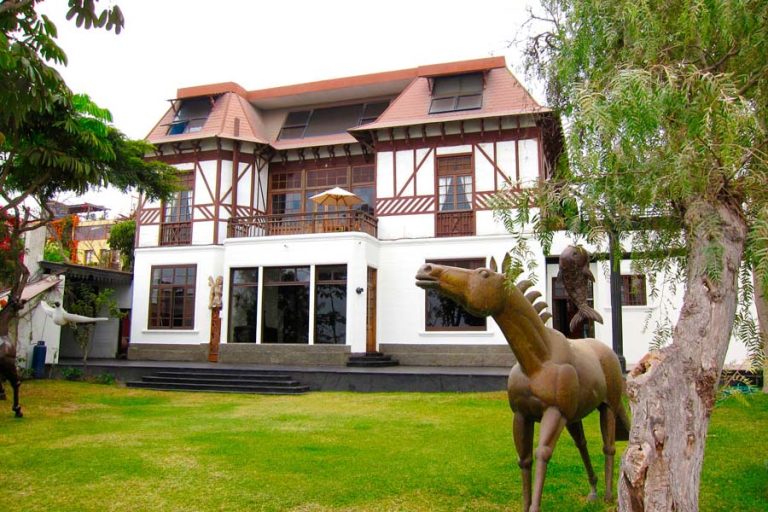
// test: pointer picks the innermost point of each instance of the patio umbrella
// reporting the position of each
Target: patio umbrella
(336, 197)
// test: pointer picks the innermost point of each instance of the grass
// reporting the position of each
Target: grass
(84, 447)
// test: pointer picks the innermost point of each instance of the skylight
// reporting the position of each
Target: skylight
(456, 92)
(330, 120)
(191, 116)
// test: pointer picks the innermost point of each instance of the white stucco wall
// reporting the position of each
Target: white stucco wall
(209, 261)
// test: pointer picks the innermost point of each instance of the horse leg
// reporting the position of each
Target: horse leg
(552, 423)
(522, 429)
(16, 384)
(608, 430)
(576, 430)
(2, 391)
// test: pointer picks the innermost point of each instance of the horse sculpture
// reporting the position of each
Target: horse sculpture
(9, 372)
(556, 381)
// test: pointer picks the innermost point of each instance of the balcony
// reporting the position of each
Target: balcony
(302, 224)
(176, 233)
(456, 223)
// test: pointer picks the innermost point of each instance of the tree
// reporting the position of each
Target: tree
(88, 300)
(52, 140)
(121, 238)
(665, 105)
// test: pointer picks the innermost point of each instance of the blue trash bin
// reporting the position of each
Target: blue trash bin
(38, 360)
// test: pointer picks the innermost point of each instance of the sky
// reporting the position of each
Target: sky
(169, 44)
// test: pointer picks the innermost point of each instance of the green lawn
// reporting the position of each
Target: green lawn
(87, 447)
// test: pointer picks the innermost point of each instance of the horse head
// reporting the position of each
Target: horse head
(480, 291)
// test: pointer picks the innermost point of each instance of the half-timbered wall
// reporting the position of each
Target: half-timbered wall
(406, 180)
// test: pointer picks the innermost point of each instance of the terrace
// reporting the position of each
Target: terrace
(302, 223)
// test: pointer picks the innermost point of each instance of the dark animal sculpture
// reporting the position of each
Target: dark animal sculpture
(575, 275)
(555, 382)
(9, 372)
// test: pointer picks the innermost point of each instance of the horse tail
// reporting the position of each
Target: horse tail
(622, 423)
(585, 313)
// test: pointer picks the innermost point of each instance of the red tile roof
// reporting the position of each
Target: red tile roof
(262, 112)
(502, 96)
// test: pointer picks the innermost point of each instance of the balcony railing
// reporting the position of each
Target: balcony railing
(302, 223)
(457, 223)
(176, 233)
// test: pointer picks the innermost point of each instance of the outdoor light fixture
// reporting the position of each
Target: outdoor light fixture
(359, 290)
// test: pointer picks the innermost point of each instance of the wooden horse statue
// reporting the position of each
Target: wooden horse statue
(556, 381)
(9, 372)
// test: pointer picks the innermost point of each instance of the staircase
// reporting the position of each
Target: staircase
(221, 380)
(371, 360)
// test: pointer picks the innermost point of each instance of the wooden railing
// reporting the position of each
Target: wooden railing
(176, 233)
(301, 223)
(458, 223)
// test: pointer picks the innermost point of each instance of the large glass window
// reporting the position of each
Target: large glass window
(178, 208)
(243, 305)
(457, 92)
(454, 175)
(331, 304)
(286, 305)
(290, 191)
(172, 297)
(443, 314)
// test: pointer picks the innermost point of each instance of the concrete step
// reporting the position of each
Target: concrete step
(221, 380)
(220, 388)
(371, 360)
(212, 379)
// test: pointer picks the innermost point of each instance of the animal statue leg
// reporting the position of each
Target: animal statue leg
(608, 430)
(522, 429)
(552, 424)
(2, 391)
(16, 384)
(576, 430)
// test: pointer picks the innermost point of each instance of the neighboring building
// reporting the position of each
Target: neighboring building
(92, 246)
(424, 149)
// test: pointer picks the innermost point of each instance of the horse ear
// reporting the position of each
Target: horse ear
(506, 263)
(493, 265)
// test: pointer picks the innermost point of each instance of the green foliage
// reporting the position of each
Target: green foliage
(55, 252)
(121, 238)
(88, 300)
(71, 373)
(104, 378)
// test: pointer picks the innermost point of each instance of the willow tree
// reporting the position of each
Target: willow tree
(52, 140)
(665, 109)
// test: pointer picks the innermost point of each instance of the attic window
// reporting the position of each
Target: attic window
(456, 92)
(330, 120)
(191, 116)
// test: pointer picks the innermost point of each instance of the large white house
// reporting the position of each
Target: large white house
(424, 150)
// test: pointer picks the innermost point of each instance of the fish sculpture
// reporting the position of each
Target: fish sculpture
(575, 275)
(62, 317)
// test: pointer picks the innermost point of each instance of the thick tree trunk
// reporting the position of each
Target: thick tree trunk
(672, 399)
(761, 305)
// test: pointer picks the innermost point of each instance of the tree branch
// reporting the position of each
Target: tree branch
(12, 203)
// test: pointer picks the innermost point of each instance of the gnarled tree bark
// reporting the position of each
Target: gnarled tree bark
(672, 398)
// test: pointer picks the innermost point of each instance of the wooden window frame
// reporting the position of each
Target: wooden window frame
(187, 321)
(455, 98)
(633, 295)
(462, 222)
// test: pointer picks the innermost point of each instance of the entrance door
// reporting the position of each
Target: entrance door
(370, 338)
(124, 334)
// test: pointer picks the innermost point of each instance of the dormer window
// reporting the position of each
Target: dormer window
(330, 120)
(191, 116)
(456, 92)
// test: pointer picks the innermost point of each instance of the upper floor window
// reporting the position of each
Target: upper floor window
(454, 183)
(457, 92)
(176, 228)
(290, 191)
(191, 116)
(330, 120)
